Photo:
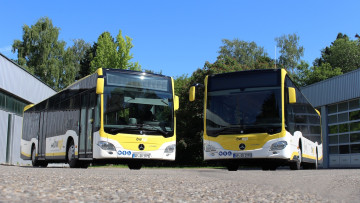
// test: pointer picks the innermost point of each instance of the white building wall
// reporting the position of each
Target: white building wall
(15, 143)
(3, 135)
(17, 81)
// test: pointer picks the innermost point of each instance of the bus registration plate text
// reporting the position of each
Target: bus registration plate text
(242, 155)
(141, 155)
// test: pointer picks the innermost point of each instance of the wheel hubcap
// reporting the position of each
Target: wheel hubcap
(71, 153)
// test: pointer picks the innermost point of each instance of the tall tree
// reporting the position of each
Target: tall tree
(245, 53)
(85, 62)
(290, 51)
(113, 54)
(308, 75)
(40, 51)
(79, 51)
(342, 56)
(343, 53)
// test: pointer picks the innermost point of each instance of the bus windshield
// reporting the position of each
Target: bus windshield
(138, 105)
(243, 111)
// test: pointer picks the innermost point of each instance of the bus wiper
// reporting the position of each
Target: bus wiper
(113, 130)
(163, 101)
(230, 128)
(153, 128)
(269, 129)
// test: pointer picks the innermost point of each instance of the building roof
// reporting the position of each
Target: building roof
(337, 89)
(18, 81)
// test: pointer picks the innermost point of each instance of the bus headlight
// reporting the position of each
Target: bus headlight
(170, 149)
(106, 146)
(278, 145)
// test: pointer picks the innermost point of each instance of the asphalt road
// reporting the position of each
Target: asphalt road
(19, 184)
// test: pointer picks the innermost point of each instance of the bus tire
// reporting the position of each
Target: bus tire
(232, 167)
(134, 165)
(273, 167)
(84, 165)
(34, 161)
(43, 164)
(316, 164)
(297, 164)
(265, 167)
(72, 161)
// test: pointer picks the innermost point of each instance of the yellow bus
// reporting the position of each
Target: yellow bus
(111, 116)
(261, 118)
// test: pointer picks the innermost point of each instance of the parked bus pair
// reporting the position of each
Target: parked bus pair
(118, 116)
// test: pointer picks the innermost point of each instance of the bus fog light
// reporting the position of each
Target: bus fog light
(278, 145)
(210, 148)
(170, 149)
(106, 146)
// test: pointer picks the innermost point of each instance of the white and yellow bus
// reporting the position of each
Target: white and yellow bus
(111, 116)
(259, 118)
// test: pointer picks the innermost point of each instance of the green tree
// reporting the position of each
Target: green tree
(85, 62)
(290, 51)
(342, 56)
(79, 51)
(245, 53)
(42, 54)
(40, 51)
(113, 54)
(308, 75)
(343, 53)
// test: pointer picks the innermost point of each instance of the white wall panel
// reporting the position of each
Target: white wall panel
(3, 135)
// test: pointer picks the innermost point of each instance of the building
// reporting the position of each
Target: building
(18, 88)
(338, 99)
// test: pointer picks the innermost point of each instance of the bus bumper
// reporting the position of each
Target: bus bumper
(214, 151)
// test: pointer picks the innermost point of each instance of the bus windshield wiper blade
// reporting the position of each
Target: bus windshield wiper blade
(153, 128)
(113, 130)
(268, 128)
(231, 128)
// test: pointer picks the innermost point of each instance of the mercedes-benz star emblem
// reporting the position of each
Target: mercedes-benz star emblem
(141, 147)
(242, 146)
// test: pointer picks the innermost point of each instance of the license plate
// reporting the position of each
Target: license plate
(141, 155)
(242, 155)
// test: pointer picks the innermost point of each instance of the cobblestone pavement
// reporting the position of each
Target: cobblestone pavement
(19, 184)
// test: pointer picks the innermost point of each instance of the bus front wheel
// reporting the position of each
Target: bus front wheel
(134, 165)
(297, 164)
(232, 167)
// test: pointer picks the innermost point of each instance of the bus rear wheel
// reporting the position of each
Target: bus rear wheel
(34, 161)
(72, 161)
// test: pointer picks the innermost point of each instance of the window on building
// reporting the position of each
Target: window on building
(11, 104)
(344, 127)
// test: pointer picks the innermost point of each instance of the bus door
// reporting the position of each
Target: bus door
(42, 135)
(86, 124)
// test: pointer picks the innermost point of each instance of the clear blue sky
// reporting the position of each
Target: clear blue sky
(178, 37)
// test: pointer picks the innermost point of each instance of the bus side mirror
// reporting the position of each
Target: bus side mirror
(192, 93)
(292, 95)
(100, 86)
(176, 103)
